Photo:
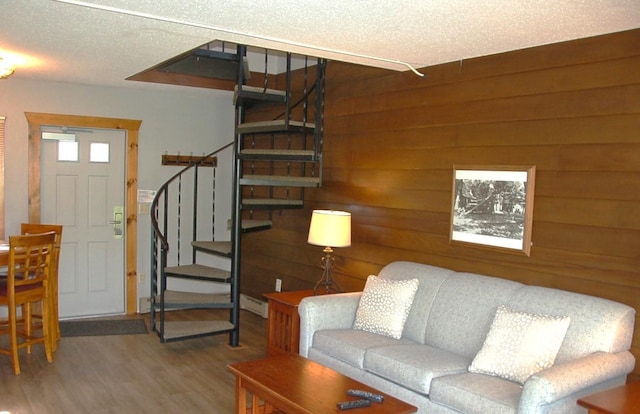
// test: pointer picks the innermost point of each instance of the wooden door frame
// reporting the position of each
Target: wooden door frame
(36, 121)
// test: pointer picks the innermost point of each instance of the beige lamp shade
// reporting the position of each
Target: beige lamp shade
(330, 228)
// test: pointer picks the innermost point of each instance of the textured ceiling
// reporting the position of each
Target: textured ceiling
(105, 41)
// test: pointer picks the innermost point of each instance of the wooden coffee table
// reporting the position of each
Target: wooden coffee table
(292, 384)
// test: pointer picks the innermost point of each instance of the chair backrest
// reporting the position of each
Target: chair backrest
(32, 228)
(30, 258)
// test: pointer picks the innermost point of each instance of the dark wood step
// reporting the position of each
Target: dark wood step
(280, 181)
(279, 125)
(199, 272)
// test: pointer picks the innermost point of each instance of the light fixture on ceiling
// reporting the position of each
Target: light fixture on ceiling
(329, 228)
(6, 68)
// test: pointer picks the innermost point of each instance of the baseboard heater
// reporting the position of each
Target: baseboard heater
(254, 305)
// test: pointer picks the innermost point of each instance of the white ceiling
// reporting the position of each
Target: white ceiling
(105, 41)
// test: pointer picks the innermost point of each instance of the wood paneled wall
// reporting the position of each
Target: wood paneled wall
(391, 139)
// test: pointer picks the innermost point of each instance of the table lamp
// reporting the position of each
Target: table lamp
(329, 228)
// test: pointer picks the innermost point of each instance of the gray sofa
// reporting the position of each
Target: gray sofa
(448, 322)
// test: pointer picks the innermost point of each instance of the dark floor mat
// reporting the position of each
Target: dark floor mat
(88, 327)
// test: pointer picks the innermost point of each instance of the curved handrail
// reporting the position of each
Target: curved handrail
(299, 101)
(164, 188)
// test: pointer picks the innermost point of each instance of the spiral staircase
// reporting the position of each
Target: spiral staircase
(276, 153)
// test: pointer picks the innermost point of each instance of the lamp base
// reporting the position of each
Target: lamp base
(330, 286)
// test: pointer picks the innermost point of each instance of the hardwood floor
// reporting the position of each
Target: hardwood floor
(131, 374)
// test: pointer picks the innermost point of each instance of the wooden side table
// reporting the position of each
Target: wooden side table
(620, 400)
(283, 335)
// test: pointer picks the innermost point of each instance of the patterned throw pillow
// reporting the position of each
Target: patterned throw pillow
(384, 306)
(520, 344)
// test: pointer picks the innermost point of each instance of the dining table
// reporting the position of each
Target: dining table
(4, 252)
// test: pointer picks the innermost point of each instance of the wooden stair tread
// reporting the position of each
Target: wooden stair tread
(216, 247)
(274, 203)
(278, 125)
(278, 154)
(260, 89)
(200, 300)
(190, 329)
(200, 272)
(255, 225)
(282, 181)
(257, 95)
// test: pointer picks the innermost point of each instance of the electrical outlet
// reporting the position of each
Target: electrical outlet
(141, 277)
(278, 285)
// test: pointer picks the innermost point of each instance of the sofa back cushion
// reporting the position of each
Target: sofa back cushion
(385, 305)
(463, 310)
(430, 278)
(597, 324)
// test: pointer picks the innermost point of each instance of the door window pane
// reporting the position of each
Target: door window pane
(67, 151)
(99, 152)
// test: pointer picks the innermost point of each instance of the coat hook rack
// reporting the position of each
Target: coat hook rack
(185, 160)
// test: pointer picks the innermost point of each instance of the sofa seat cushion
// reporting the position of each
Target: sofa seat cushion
(413, 366)
(472, 393)
(350, 345)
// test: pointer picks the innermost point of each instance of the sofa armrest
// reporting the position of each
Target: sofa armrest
(337, 311)
(569, 378)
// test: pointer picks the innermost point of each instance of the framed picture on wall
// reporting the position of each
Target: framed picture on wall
(492, 207)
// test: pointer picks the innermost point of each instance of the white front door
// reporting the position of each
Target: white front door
(86, 195)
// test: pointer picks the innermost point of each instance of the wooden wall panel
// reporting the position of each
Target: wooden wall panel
(391, 140)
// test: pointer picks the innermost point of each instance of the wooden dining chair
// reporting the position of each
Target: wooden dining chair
(33, 228)
(30, 258)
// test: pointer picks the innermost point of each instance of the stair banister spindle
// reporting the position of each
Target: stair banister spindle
(213, 204)
(318, 135)
(287, 117)
(194, 219)
(154, 273)
(305, 103)
(179, 219)
(266, 70)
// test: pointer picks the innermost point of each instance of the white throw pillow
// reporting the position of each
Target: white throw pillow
(520, 344)
(384, 306)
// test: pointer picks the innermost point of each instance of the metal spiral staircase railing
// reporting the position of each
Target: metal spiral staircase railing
(273, 162)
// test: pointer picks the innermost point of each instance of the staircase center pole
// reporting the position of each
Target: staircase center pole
(236, 214)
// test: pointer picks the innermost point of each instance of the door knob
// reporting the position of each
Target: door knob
(118, 213)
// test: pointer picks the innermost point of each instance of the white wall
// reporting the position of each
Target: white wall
(174, 119)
